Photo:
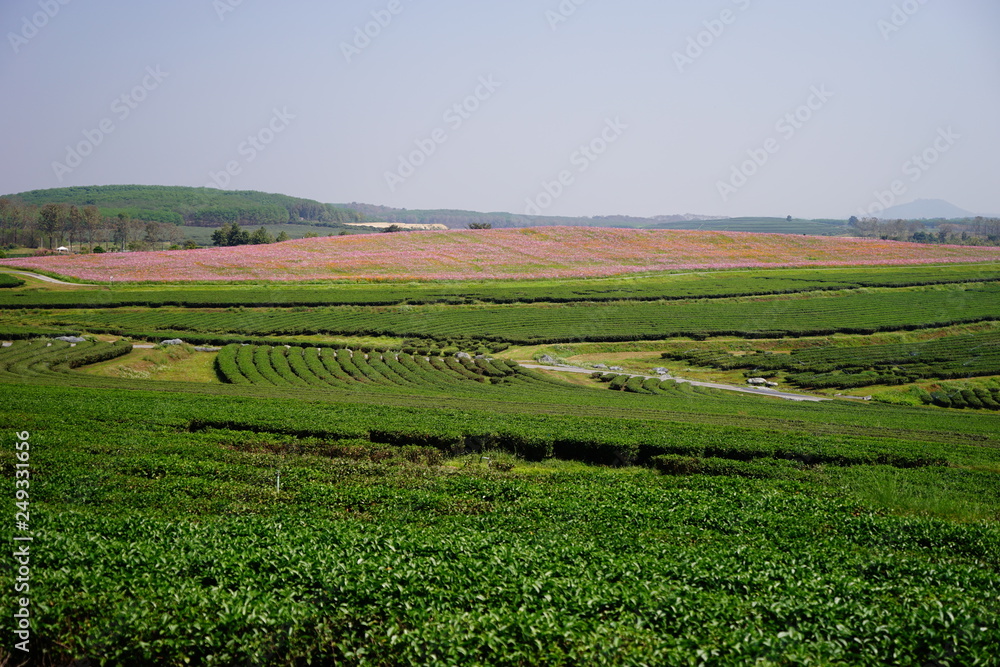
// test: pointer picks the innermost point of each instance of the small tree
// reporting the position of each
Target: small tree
(50, 220)
(121, 231)
(91, 222)
(283, 236)
(221, 235)
(480, 225)
(238, 236)
(230, 235)
(261, 236)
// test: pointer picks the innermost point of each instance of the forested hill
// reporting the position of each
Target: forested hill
(205, 207)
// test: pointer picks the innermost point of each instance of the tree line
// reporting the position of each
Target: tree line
(53, 225)
(978, 231)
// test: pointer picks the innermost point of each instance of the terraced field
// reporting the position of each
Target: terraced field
(960, 356)
(346, 369)
(850, 311)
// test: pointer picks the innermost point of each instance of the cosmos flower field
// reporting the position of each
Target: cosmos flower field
(548, 252)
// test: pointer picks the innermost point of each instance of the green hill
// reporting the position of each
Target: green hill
(206, 207)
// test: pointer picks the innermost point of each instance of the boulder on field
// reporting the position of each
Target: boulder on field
(601, 366)
(173, 341)
(546, 359)
(757, 382)
(463, 355)
(72, 339)
(616, 368)
(661, 371)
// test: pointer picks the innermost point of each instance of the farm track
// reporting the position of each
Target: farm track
(47, 279)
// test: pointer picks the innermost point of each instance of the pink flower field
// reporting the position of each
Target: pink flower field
(541, 252)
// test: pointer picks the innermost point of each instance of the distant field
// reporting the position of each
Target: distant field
(761, 226)
(554, 252)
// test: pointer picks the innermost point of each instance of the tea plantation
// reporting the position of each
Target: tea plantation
(310, 498)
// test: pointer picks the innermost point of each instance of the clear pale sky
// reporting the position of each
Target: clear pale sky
(665, 120)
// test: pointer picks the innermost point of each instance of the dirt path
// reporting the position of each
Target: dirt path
(713, 385)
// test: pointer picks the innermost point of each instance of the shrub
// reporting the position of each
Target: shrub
(9, 281)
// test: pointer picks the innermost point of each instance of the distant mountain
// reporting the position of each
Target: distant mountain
(206, 207)
(458, 219)
(926, 209)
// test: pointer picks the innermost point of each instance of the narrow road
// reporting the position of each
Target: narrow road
(774, 393)
(47, 279)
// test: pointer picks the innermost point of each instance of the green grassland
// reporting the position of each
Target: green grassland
(344, 489)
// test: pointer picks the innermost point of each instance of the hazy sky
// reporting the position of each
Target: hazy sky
(579, 107)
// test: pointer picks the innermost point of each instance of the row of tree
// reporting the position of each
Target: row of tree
(979, 231)
(53, 225)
